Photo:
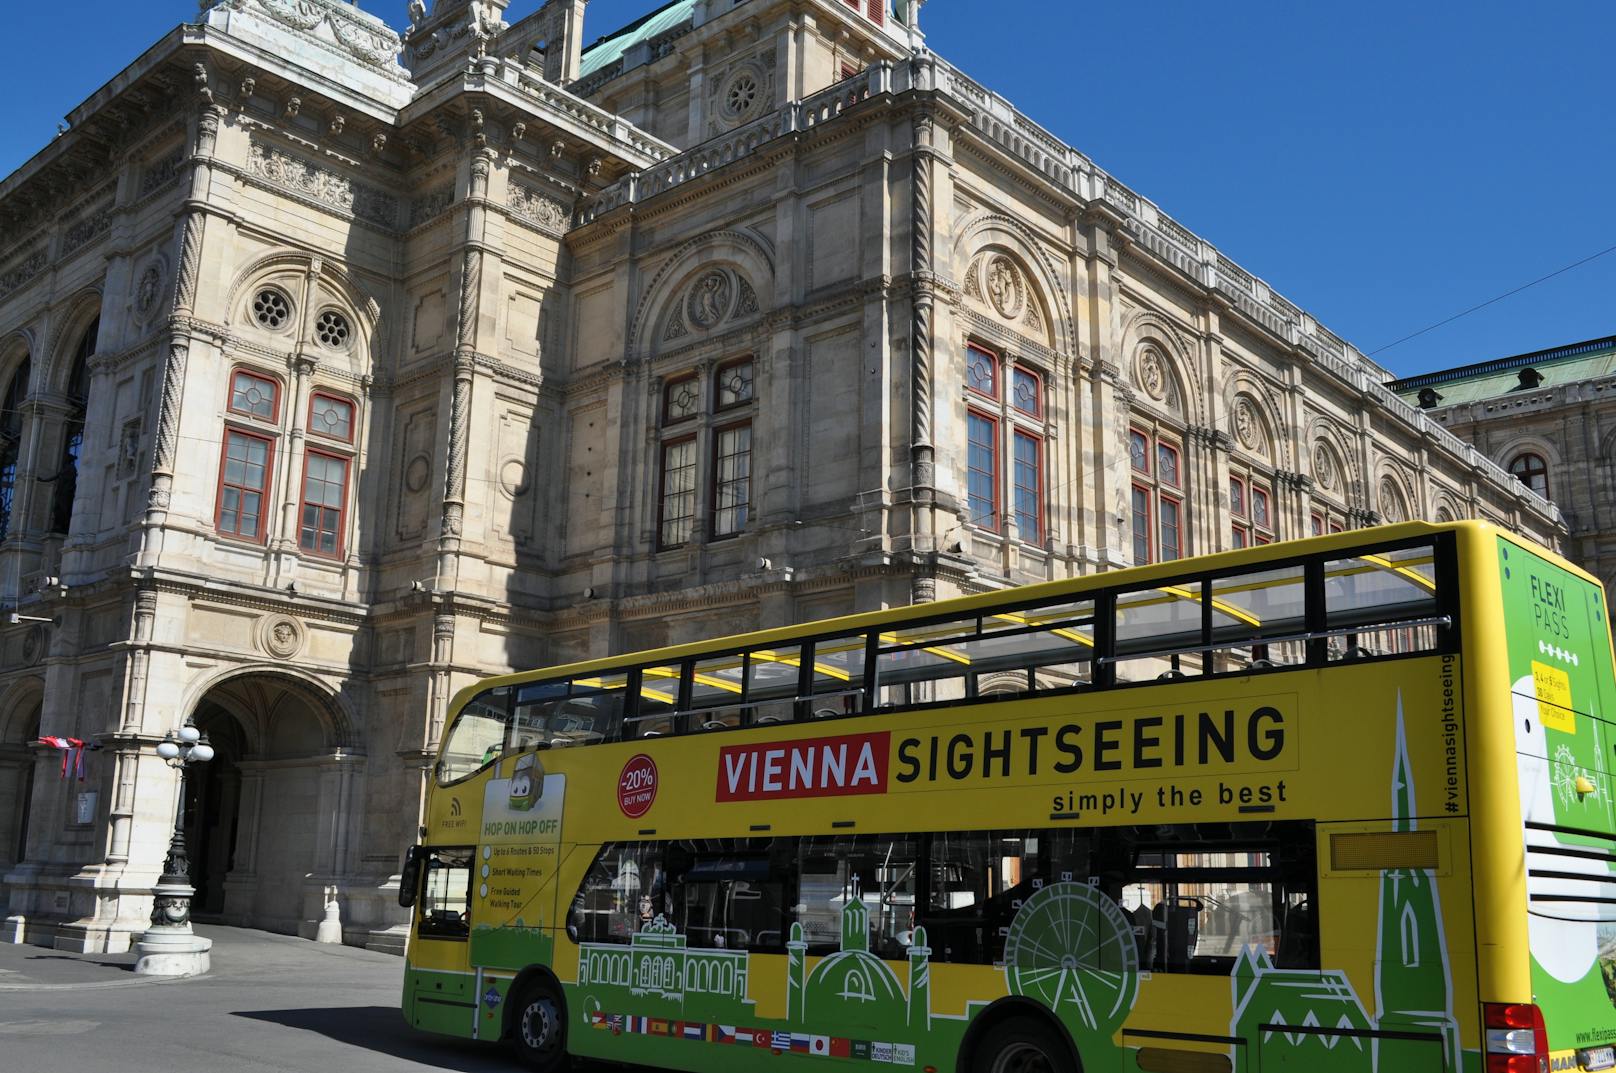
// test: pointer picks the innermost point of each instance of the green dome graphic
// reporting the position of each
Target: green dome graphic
(1071, 948)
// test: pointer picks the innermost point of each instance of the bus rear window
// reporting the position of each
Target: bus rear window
(1382, 603)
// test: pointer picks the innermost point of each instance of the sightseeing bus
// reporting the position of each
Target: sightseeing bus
(1337, 804)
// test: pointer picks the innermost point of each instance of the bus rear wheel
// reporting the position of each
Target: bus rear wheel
(1023, 1045)
(539, 1030)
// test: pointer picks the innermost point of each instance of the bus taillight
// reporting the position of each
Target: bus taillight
(1517, 1040)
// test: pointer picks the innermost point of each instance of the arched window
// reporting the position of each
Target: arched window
(67, 473)
(11, 441)
(1156, 457)
(1533, 472)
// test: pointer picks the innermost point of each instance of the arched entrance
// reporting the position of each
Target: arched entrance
(267, 820)
(17, 762)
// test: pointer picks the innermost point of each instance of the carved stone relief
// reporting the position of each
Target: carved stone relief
(1392, 507)
(1325, 471)
(1151, 373)
(712, 299)
(149, 287)
(999, 284)
(280, 636)
(322, 185)
(1247, 427)
(538, 209)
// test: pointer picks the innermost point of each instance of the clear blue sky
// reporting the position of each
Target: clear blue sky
(1383, 164)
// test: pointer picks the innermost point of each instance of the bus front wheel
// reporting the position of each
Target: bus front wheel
(1023, 1045)
(539, 1030)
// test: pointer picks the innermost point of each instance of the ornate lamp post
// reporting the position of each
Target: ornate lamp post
(170, 947)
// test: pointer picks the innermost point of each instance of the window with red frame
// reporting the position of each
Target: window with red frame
(325, 494)
(331, 416)
(243, 484)
(1323, 523)
(1532, 471)
(1251, 512)
(1004, 425)
(1157, 496)
(254, 395)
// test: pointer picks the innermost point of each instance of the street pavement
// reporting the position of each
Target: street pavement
(272, 1004)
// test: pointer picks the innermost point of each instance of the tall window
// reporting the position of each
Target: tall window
(325, 492)
(1157, 495)
(1325, 521)
(718, 429)
(11, 441)
(1002, 424)
(1251, 511)
(67, 471)
(1533, 472)
(244, 484)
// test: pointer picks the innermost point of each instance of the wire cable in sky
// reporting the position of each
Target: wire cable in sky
(1490, 301)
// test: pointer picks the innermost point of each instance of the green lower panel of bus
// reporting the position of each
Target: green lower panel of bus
(440, 1001)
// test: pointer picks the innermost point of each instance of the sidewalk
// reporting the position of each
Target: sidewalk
(272, 1004)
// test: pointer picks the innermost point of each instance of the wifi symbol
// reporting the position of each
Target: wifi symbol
(454, 806)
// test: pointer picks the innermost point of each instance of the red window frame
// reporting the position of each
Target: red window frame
(1143, 494)
(1036, 489)
(1142, 464)
(341, 511)
(991, 522)
(717, 484)
(993, 371)
(353, 415)
(667, 396)
(275, 394)
(1527, 465)
(263, 493)
(1177, 504)
(1244, 529)
(662, 492)
(1037, 411)
(719, 406)
(1168, 450)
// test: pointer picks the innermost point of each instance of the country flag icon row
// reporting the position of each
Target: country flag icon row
(902, 1054)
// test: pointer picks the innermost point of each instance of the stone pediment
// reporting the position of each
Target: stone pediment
(336, 40)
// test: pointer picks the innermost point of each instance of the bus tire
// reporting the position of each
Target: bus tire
(539, 1028)
(1022, 1045)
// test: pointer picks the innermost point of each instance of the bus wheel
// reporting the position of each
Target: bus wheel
(539, 1030)
(1022, 1045)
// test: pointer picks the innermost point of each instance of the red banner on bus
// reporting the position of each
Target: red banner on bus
(817, 767)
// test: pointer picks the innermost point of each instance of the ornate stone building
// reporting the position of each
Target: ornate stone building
(1549, 419)
(341, 369)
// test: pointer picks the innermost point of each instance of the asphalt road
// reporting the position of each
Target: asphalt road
(272, 1004)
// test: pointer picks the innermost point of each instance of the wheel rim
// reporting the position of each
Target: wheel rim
(539, 1027)
(1022, 1058)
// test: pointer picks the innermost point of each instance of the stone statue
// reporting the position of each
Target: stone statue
(417, 12)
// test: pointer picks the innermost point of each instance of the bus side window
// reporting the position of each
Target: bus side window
(772, 684)
(625, 889)
(729, 898)
(446, 894)
(593, 712)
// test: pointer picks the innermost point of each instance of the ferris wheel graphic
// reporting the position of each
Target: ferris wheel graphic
(1071, 948)
(1563, 774)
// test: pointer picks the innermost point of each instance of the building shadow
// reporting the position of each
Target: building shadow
(382, 1029)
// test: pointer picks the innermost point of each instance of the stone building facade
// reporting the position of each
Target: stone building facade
(1549, 419)
(343, 368)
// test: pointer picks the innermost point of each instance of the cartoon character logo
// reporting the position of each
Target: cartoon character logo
(525, 778)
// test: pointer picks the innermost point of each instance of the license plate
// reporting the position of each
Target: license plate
(1597, 1058)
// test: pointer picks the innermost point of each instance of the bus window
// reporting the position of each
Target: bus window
(925, 664)
(876, 870)
(1158, 633)
(477, 737)
(773, 675)
(838, 680)
(730, 898)
(1375, 603)
(446, 894)
(717, 690)
(1199, 895)
(659, 703)
(625, 889)
(976, 881)
(593, 711)
(531, 714)
(1258, 620)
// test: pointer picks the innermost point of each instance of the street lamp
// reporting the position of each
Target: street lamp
(169, 947)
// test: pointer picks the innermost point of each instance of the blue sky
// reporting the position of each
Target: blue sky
(1384, 165)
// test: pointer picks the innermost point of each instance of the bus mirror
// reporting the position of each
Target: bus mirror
(409, 881)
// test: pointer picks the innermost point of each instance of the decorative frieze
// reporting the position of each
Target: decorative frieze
(91, 224)
(323, 185)
(159, 173)
(545, 213)
(359, 35)
(25, 270)
(430, 207)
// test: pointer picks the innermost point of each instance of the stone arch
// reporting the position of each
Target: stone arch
(741, 252)
(268, 817)
(19, 710)
(1273, 446)
(16, 347)
(1532, 443)
(75, 318)
(1394, 498)
(989, 229)
(19, 726)
(1150, 341)
(1445, 505)
(1004, 283)
(286, 269)
(1332, 466)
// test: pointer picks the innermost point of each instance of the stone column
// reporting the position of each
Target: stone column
(923, 300)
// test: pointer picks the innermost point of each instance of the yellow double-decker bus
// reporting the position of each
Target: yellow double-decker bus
(1340, 804)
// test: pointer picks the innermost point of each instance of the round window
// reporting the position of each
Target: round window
(332, 329)
(271, 310)
(741, 94)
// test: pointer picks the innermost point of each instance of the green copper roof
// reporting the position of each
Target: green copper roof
(611, 47)
(1501, 376)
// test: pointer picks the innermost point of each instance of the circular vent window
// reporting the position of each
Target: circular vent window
(741, 95)
(271, 310)
(332, 329)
